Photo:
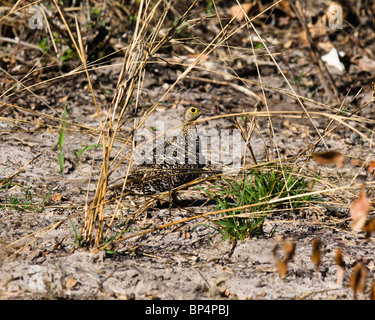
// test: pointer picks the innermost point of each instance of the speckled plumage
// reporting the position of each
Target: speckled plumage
(181, 162)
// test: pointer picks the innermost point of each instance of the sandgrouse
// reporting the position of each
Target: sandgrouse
(180, 161)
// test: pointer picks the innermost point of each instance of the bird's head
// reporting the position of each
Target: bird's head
(193, 113)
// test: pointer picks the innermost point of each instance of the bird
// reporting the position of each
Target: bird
(181, 160)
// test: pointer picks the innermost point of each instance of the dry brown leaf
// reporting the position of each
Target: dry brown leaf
(369, 167)
(282, 267)
(289, 249)
(302, 38)
(319, 28)
(340, 267)
(287, 44)
(340, 275)
(369, 227)
(226, 293)
(359, 209)
(238, 13)
(357, 163)
(56, 197)
(325, 46)
(358, 279)
(316, 256)
(316, 30)
(70, 283)
(339, 260)
(63, 99)
(329, 157)
(285, 7)
(186, 234)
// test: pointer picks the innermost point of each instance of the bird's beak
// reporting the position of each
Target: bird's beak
(206, 111)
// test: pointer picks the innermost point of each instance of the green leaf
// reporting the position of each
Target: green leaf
(61, 162)
(61, 141)
(77, 153)
(62, 130)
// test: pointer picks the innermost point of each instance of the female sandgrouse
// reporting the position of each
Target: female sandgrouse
(176, 163)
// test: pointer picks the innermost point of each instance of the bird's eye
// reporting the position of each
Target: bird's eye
(193, 110)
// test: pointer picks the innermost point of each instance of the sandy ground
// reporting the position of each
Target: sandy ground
(40, 257)
(188, 261)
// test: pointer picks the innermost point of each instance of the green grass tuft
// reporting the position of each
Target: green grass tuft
(256, 189)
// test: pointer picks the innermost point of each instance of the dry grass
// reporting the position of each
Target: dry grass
(152, 33)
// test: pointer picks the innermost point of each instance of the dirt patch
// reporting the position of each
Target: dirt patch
(178, 256)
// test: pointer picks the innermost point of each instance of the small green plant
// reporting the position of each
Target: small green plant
(61, 140)
(254, 191)
(299, 78)
(96, 11)
(132, 20)
(84, 148)
(67, 55)
(21, 201)
(40, 207)
(77, 153)
(43, 44)
(210, 7)
(77, 238)
(181, 26)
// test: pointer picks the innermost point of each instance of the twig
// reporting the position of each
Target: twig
(329, 86)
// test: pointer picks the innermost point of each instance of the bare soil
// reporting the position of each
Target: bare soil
(40, 256)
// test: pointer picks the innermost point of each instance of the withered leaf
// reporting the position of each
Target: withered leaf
(285, 6)
(282, 267)
(358, 279)
(340, 267)
(186, 234)
(56, 197)
(70, 283)
(238, 14)
(370, 167)
(319, 28)
(339, 258)
(316, 256)
(289, 250)
(329, 157)
(340, 275)
(369, 227)
(359, 209)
